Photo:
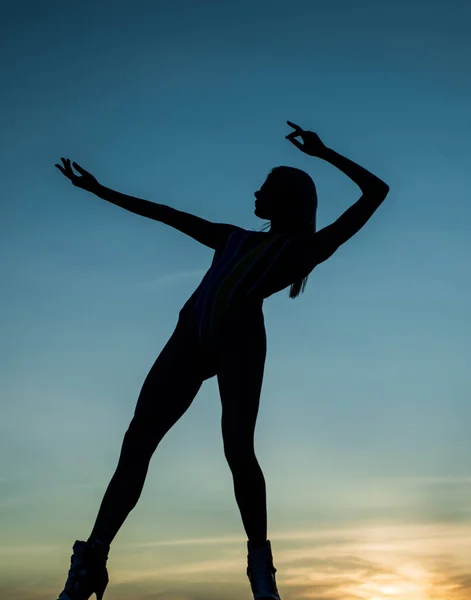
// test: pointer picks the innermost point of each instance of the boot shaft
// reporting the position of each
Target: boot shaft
(87, 574)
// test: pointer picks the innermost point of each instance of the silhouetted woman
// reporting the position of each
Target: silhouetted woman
(221, 331)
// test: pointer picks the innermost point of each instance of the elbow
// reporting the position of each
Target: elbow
(377, 187)
(381, 190)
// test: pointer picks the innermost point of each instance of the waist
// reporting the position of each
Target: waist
(206, 313)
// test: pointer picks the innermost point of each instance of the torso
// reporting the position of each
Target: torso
(248, 268)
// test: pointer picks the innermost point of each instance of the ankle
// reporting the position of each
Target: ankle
(99, 543)
(257, 543)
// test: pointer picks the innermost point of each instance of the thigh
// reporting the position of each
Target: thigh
(173, 380)
(241, 367)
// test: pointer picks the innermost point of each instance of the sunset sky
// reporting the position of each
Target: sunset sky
(363, 428)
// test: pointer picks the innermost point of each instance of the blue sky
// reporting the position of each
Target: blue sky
(363, 429)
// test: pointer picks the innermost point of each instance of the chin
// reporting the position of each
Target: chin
(260, 213)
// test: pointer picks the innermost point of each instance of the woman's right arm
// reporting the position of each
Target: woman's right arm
(138, 206)
(206, 232)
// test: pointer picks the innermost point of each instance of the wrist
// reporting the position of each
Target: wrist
(98, 190)
(326, 153)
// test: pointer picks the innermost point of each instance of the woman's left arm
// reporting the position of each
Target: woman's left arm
(326, 241)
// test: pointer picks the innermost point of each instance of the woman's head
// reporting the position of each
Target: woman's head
(288, 198)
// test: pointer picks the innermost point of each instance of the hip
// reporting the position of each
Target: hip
(240, 324)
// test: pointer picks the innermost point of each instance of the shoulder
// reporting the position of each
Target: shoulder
(225, 231)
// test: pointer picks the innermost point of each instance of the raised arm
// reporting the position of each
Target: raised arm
(326, 241)
(206, 232)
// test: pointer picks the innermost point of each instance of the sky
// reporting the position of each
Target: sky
(363, 427)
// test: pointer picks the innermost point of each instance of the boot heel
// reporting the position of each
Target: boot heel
(101, 587)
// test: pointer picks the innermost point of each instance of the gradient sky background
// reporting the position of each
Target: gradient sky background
(363, 429)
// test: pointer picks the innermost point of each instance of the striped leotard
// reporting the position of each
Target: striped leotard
(247, 268)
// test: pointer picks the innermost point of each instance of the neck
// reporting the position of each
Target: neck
(277, 228)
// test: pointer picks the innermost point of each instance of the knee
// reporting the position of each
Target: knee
(239, 455)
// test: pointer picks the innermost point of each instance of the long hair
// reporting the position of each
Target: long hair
(299, 190)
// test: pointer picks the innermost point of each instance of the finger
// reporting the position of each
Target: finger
(292, 135)
(67, 166)
(297, 144)
(297, 127)
(79, 169)
(61, 169)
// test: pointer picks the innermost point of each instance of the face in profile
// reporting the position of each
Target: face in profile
(268, 200)
(288, 199)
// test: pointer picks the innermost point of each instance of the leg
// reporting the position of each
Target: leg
(240, 375)
(167, 392)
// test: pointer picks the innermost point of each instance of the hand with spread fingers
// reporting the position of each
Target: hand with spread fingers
(312, 142)
(86, 181)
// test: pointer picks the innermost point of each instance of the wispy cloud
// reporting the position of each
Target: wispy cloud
(417, 562)
(78, 278)
(425, 480)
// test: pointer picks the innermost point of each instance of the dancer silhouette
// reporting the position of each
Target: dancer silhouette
(221, 332)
